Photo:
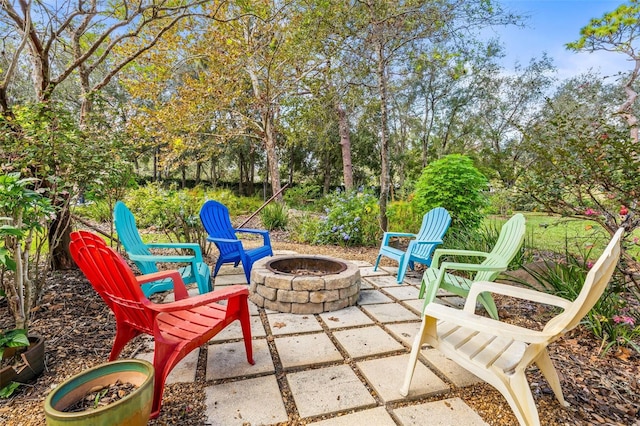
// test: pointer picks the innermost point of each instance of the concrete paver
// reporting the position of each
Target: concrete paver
(184, 372)
(369, 272)
(230, 279)
(328, 390)
(415, 305)
(366, 341)
(452, 371)
(374, 417)
(383, 280)
(386, 375)
(306, 350)
(229, 360)
(405, 332)
(292, 323)
(234, 330)
(439, 413)
(390, 312)
(370, 297)
(347, 317)
(252, 401)
(403, 292)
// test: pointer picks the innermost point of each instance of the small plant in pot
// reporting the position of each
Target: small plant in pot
(23, 215)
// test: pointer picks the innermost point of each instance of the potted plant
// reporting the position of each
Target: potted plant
(23, 215)
(66, 404)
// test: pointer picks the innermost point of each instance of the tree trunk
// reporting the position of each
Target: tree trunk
(327, 173)
(345, 145)
(59, 235)
(272, 155)
(385, 174)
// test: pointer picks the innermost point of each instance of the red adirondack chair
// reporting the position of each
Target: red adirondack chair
(177, 327)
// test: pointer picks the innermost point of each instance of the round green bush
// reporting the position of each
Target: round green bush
(453, 182)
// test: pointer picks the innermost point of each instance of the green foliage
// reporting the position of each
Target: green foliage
(454, 183)
(8, 390)
(302, 196)
(305, 228)
(351, 219)
(611, 319)
(15, 338)
(99, 210)
(27, 212)
(274, 216)
(402, 217)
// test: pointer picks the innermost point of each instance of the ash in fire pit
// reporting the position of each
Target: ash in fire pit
(306, 266)
(304, 284)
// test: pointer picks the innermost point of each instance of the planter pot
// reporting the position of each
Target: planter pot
(133, 409)
(33, 363)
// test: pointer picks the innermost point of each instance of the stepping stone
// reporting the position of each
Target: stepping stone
(292, 323)
(383, 281)
(328, 390)
(366, 341)
(368, 297)
(253, 401)
(183, 372)
(391, 270)
(234, 330)
(411, 280)
(230, 279)
(390, 312)
(415, 305)
(440, 413)
(361, 263)
(386, 375)
(369, 272)
(366, 285)
(347, 317)
(229, 360)
(375, 417)
(405, 332)
(306, 350)
(403, 292)
(452, 371)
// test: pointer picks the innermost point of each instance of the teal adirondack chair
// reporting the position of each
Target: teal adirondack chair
(509, 242)
(434, 224)
(197, 271)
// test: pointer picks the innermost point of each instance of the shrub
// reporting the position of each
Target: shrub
(305, 229)
(351, 219)
(402, 217)
(275, 216)
(99, 211)
(611, 319)
(302, 196)
(454, 183)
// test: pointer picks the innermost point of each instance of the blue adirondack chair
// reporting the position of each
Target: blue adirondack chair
(197, 271)
(434, 224)
(216, 221)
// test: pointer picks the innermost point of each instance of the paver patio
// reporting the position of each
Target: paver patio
(338, 368)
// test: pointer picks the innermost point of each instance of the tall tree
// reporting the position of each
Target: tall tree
(619, 32)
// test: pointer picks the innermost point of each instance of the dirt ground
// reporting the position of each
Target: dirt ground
(79, 328)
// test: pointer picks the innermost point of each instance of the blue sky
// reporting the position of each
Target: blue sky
(551, 25)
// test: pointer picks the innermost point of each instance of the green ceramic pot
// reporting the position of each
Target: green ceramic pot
(133, 409)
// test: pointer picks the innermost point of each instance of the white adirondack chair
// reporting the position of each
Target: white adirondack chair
(499, 353)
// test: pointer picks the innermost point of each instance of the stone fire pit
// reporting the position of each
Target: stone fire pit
(304, 284)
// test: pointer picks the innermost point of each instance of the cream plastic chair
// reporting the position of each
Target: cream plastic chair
(499, 353)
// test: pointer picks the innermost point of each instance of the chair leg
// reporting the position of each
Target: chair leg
(375, 267)
(413, 359)
(403, 263)
(124, 333)
(217, 267)
(245, 324)
(549, 372)
(203, 277)
(518, 395)
(165, 357)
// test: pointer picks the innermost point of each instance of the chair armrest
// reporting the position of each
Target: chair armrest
(201, 300)
(190, 246)
(439, 252)
(512, 291)
(265, 234)
(224, 240)
(160, 258)
(179, 289)
(484, 324)
(388, 235)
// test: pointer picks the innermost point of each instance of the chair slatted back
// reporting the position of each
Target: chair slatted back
(506, 247)
(216, 221)
(125, 224)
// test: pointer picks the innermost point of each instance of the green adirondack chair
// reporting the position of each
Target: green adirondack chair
(509, 242)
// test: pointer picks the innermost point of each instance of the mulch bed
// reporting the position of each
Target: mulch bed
(79, 329)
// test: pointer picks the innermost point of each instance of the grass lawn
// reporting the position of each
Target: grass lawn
(555, 233)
